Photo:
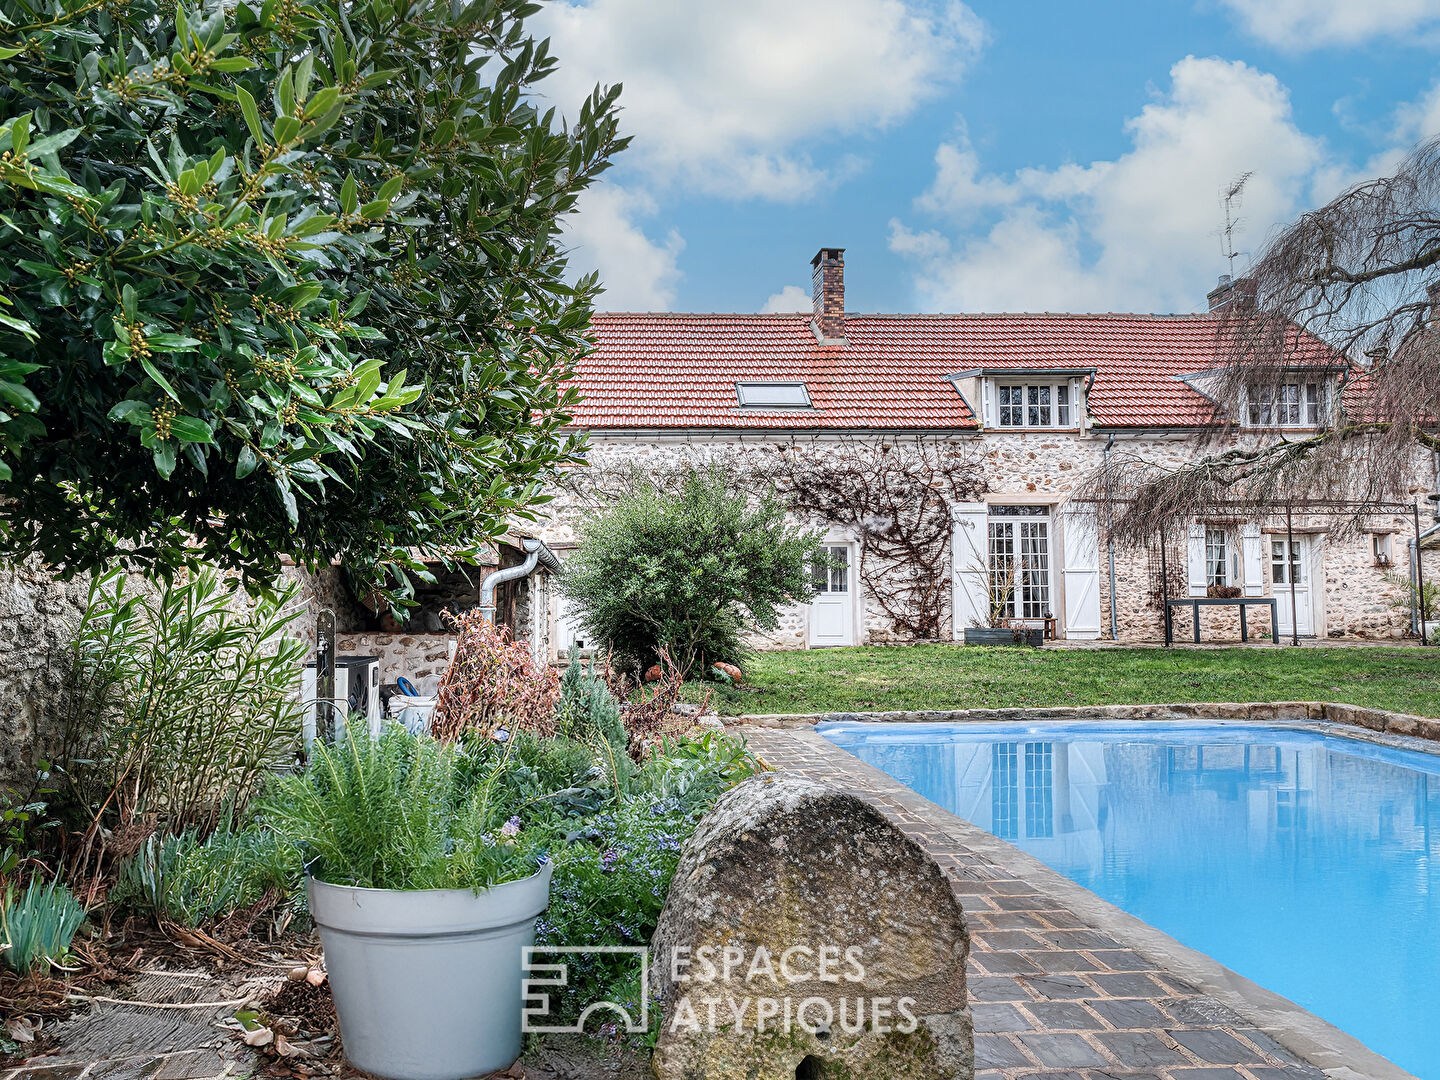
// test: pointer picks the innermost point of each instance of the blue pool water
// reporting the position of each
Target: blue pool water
(1306, 862)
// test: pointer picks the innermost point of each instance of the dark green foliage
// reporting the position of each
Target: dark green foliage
(24, 821)
(609, 888)
(613, 870)
(695, 771)
(37, 926)
(686, 572)
(282, 278)
(184, 880)
(539, 779)
(388, 813)
(411, 812)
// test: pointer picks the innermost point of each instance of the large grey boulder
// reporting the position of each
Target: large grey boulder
(805, 936)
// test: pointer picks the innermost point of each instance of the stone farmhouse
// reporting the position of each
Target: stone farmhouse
(1032, 403)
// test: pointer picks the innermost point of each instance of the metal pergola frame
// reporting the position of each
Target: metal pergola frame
(1332, 508)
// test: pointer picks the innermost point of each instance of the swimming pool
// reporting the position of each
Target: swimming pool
(1306, 862)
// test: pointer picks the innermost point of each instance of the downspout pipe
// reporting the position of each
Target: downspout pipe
(1415, 542)
(537, 554)
(1110, 539)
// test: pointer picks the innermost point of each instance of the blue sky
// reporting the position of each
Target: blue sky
(1022, 155)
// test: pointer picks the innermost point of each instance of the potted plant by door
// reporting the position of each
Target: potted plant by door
(423, 898)
(999, 630)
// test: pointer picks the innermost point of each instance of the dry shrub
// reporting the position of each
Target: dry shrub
(493, 682)
(653, 715)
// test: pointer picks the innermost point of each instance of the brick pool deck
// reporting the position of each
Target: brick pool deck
(1055, 998)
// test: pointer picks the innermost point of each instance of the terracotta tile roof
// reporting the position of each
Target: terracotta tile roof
(656, 371)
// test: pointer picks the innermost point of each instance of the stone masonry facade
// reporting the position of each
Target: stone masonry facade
(1352, 597)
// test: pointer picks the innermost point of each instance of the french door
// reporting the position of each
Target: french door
(1020, 562)
(1290, 574)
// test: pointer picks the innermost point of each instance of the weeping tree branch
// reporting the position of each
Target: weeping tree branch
(1335, 467)
(1350, 288)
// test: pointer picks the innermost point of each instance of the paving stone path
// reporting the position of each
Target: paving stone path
(170, 1032)
(1052, 998)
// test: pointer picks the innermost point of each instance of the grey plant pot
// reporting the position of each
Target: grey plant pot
(427, 984)
(1000, 635)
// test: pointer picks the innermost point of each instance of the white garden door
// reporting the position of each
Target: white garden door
(832, 612)
(1290, 575)
(567, 628)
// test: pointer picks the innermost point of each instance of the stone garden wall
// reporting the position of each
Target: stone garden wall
(37, 617)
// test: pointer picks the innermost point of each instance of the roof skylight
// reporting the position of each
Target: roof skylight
(772, 395)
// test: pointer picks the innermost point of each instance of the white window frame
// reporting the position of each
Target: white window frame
(1282, 571)
(834, 577)
(1300, 403)
(1041, 405)
(750, 394)
(1217, 557)
(1032, 589)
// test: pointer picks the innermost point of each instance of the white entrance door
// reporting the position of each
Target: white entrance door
(1290, 573)
(832, 612)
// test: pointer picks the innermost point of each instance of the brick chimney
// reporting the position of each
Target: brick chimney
(828, 283)
(1229, 291)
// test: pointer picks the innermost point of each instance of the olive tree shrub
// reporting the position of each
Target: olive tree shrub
(686, 570)
(282, 277)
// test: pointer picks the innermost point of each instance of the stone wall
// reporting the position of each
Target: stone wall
(38, 616)
(420, 657)
(1354, 602)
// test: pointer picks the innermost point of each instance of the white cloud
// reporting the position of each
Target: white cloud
(790, 298)
(720, 96)
(1139, 232)
(639, 274)
(1302, 24)
(1419, 119)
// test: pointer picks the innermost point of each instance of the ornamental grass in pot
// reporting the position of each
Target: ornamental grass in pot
(423, 897)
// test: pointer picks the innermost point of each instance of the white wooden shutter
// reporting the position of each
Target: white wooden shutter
(1251, 565)
(987, 402)
(970, 566)
(1195, 560)
(1080, 544)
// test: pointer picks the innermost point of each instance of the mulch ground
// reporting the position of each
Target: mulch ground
(143, 993)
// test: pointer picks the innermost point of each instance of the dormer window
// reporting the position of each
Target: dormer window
(1292, 404)
(1033, 405)
(772, 395)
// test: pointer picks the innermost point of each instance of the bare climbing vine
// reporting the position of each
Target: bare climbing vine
(896, 498)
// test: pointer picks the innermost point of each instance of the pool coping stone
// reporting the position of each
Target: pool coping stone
(1377, 721)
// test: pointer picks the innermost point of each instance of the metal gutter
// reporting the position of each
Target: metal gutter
(537, 554)
(1029, 372)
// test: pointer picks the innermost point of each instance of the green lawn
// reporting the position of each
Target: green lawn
(963, 677)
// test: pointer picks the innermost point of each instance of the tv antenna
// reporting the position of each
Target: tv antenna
(1232, 197)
